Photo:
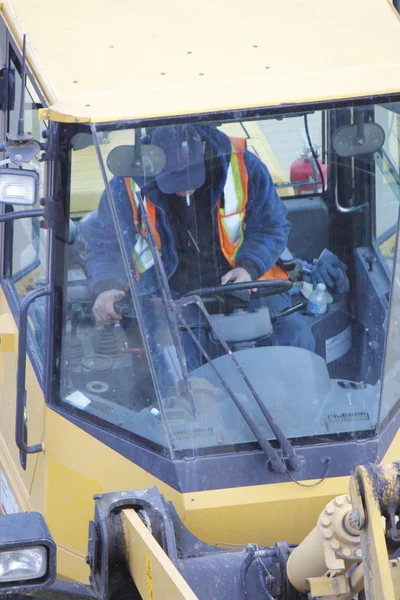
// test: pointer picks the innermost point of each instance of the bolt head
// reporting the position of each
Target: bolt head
(346, 552)
(325, 521)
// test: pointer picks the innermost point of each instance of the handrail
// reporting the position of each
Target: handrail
(21, 368)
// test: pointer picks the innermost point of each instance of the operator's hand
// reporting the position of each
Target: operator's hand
(103, 308)
(237, 275)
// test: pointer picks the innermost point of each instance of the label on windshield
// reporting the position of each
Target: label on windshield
(8, 504)
(338, 346)
(78, 399)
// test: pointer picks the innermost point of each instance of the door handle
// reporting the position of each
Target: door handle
(21, 368)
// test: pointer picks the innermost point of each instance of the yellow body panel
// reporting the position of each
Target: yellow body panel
(19, 480)
(153, 573)
(97, 61)
(75, 466)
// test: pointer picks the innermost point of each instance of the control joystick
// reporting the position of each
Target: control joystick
(108, 341)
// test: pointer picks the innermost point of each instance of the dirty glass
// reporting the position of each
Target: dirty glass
(106, 369)
(391, 373)
(162, 217)
(387, 186)
(28, 239)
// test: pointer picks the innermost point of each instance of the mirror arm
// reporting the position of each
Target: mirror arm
(359, 121)
(22, 214)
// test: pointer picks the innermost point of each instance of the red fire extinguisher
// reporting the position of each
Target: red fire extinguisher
(304, 169)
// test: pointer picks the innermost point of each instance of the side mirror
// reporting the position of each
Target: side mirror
(19, 186)
(130, 161)
(360, 138)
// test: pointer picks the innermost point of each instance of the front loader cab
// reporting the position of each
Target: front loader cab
(170, 373)
(161, 374)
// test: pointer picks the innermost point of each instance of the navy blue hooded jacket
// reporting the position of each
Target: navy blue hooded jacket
(265, 234)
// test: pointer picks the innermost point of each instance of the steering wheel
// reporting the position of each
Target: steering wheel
(264, 288)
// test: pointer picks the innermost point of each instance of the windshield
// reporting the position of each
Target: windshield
(216, 269)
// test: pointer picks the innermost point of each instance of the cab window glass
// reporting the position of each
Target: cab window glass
(198, 206)
(26, 239)
(284, 146)
(105, 371)
(387, 186)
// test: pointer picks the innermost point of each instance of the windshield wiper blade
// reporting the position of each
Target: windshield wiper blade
(293, 461)
(277, 463)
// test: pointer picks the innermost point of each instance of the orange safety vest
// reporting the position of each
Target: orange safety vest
(230, 218)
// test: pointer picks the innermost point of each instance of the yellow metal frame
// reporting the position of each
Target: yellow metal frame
(347, 554)
(152, 571)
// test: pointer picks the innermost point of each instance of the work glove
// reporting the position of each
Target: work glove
(328, 269)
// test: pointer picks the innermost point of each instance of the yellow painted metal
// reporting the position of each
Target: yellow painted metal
(260, 513)
(129, 64)
(379, 490)
(19, 479)
(75, 466)
(152, 571)
(394, 566)
(355, 535)
(321, 587)
(8, 336)
(73, 470)
(323, 562)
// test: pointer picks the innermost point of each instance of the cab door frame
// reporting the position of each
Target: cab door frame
(17, 468)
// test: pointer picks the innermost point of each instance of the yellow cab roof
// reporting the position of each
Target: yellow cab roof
(98, 61)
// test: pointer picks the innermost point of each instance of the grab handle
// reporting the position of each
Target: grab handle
(20, 424)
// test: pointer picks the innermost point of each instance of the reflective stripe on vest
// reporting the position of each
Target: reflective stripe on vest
(142, 257)
(231, 216)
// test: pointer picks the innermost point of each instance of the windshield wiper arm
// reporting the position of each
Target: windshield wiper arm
(294, 462)
(277, 463)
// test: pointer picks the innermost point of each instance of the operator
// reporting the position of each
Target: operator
(216, 217)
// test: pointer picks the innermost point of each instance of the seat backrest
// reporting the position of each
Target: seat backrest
(309, 235)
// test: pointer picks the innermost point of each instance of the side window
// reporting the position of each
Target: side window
(387, 186)
(104, 370)
(26, 241)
